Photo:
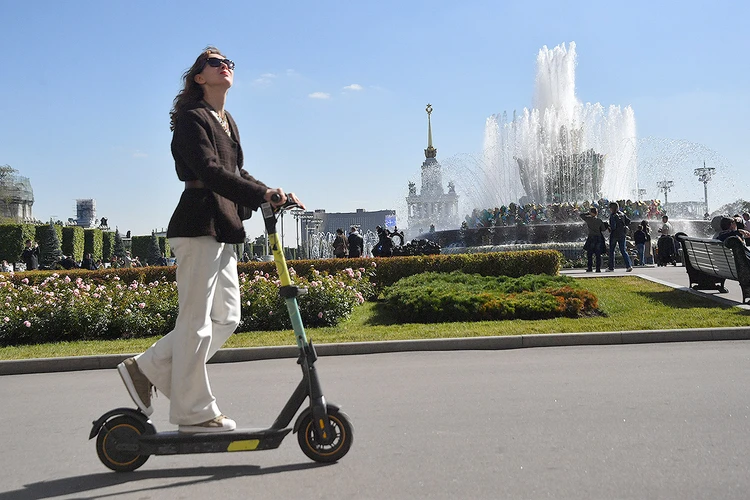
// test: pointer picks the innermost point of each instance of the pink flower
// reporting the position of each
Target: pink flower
(6, 319)
(67, 279)
(25, 281)
(320, 315)
(27, 324)
(142, 305)
(270, 313)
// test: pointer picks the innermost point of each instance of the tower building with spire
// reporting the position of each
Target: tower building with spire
(432, 207)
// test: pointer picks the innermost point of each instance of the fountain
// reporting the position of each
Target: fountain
(561, 150)
(321, 244)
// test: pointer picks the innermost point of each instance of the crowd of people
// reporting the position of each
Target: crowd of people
(665, 252)
(534, 213)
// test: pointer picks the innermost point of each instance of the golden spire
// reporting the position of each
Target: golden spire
(430, 152)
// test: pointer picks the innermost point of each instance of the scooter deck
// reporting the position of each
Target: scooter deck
(173, 442)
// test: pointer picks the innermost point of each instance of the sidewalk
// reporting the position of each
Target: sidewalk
(672, 276)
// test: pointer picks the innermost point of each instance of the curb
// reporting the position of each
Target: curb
(236, 355)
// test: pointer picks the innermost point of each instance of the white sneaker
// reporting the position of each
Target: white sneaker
(216, 424)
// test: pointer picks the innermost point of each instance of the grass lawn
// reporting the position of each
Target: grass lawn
(629, 303)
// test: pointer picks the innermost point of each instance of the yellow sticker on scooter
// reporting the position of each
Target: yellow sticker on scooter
(244, 445)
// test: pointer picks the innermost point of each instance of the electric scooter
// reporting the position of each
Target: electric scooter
(126, 437)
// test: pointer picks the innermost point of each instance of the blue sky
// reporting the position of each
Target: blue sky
(88, 85)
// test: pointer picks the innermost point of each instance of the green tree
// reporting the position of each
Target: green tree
(154, 252)
(119, 250)
(49, 248)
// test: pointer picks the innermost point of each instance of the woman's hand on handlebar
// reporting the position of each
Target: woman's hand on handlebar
(277, 198)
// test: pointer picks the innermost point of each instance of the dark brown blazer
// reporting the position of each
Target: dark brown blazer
(203, 151)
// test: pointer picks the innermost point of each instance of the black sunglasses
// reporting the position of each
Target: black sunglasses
(215, 62)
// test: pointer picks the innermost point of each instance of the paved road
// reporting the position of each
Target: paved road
(617, 422)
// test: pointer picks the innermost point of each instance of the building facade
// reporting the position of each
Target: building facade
(431, 208)
(16, 195)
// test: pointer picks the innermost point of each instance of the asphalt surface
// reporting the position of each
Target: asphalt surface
(587, 422)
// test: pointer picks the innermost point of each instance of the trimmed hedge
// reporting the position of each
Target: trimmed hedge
(12, 240)
(93, 243)
(108, 245)
(387, 270)
(72, 242)
(139, 247)
(165, 247)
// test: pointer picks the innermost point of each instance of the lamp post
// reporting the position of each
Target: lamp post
(298, 214)
(704, 174)
(665, 186)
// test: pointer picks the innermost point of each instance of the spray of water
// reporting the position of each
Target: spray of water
(561, 150)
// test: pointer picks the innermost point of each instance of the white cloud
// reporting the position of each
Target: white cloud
(353, 86)
(264, 80)
(319, 95)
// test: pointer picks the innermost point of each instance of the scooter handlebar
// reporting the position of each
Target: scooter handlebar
(290, 203)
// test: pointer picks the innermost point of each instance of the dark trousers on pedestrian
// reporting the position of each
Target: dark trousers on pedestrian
(590, 253)
(620, 242)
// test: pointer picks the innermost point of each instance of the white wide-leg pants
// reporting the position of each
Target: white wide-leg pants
(209, 312)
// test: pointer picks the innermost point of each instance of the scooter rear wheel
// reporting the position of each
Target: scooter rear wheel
(337, 447)
(121, 430)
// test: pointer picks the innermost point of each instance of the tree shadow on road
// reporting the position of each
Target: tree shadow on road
(193, 475)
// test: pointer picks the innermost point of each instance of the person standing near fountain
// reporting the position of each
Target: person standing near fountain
(666, 244)
(595, 240)
(618, 226)
(340, 247)
(356, 243)
(641, 239)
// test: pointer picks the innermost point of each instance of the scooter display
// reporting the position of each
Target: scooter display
(126, 437)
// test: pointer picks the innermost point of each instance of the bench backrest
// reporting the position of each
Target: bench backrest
(710, 257)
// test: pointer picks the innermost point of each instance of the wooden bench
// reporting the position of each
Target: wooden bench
(710, 263)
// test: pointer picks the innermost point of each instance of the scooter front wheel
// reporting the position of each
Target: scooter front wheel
(336, 447)
(117, 443)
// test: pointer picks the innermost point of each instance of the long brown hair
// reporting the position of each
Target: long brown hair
(191, 92)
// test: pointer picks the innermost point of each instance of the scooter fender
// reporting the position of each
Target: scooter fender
(97, 424)
(329, 407)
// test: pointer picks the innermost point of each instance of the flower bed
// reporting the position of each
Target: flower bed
(64, 308)
(456, 296)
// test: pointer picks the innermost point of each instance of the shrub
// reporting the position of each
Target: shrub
(93, 243)
(443, 297)
(139, 247)
(67, 306)
(108, 245)
(72, 242)
(12, 240)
